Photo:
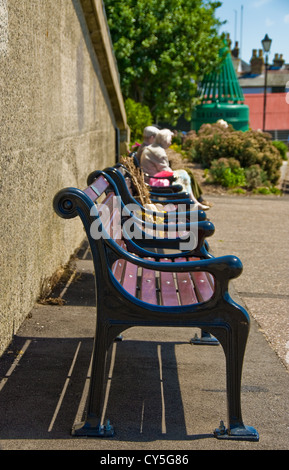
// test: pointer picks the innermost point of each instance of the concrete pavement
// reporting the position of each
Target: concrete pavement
(164, 394)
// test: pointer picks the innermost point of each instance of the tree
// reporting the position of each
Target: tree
(163, 48)
(138, 117)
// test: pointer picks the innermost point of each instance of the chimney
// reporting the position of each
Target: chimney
(278, 60)
(235, 58)
(228, 40)
(236, 50)
(257, 62)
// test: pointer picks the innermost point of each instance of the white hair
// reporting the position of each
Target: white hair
(150, 131)
(164, 137)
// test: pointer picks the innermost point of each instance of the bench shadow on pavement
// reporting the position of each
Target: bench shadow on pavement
(42, 397)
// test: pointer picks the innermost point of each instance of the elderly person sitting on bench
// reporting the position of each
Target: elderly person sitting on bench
(154, 160)
(149, 135)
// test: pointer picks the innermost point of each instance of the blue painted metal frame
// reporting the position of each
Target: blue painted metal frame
(117, 311)
(118, 178)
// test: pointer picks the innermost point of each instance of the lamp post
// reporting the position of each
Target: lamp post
(266, 44)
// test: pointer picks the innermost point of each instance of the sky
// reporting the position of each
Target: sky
(249, 20)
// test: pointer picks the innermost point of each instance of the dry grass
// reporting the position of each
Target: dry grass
(48, 284)
(137, 180)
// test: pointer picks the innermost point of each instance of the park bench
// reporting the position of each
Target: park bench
(118, 173)
(123, 179)
(136, 286)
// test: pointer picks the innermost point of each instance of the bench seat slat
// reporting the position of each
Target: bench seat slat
(118, 266)
(204, 283)
(186, 288)
(169, 294)
(117, 269)
(105, 209)
(148, 286)
(189, 288)
(129, 282)
(202, 286)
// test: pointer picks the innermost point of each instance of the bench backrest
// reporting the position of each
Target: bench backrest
(103, 219)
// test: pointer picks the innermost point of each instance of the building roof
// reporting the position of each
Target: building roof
(275, 78)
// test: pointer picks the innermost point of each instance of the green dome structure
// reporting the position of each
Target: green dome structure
(222, 97)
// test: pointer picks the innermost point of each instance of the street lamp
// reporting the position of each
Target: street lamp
(266, 44)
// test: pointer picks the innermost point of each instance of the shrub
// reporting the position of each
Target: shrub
(255, 177)
(177, 139)
(176, 147)
(227, 172)
(138, 117)
(268, 190)
(214, 141)
(282, 147)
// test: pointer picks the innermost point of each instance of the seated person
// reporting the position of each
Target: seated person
(155, 160)
(149, 134)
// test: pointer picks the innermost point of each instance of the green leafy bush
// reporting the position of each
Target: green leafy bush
(267, 190)
(282, 147)
(227, 172)
(215, 141)
(138, 117)
(255, 177)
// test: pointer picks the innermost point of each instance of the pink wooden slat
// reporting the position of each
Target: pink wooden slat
(185, 286)
(203, 286)
(148, 286)
(105, 209)
(211, 280)
(97, 188)
(110, 217)
(117, 235)
(117, 269)
(118, 266)
(100, 184)
(168, 288)
(113, 228)
(129, 282)
(91, 194)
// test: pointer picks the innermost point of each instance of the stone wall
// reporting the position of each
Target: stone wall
(58, 118)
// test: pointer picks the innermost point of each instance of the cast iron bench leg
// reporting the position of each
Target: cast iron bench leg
(92, 427)
(234, 343)
(205, 339)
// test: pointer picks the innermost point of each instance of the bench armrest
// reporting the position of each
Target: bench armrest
(180, 195)
(166, 224)
(222, 268)
(201, 215)
(174, 200)
(174, 188)
(191, 242)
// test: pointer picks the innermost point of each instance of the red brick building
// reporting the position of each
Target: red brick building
(277, 111)
(252, 79)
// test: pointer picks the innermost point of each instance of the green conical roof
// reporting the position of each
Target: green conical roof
(222, 85)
